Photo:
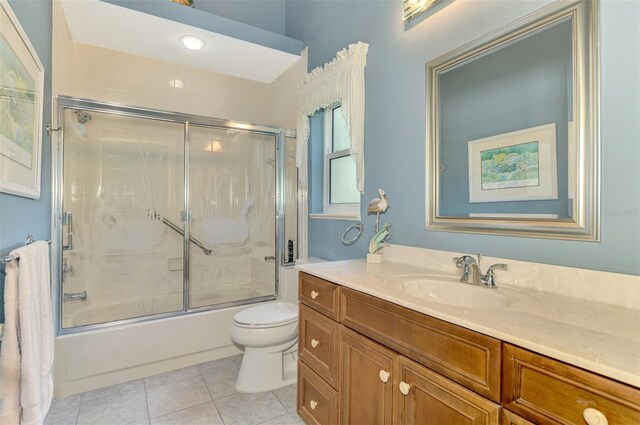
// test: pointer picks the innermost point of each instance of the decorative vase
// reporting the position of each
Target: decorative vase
(183, 2)
(376, 258)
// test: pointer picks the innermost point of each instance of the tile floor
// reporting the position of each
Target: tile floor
(199, 395)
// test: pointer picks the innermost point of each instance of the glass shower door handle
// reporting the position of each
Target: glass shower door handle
(67, 220)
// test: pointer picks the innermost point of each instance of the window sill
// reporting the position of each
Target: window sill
(321, 216)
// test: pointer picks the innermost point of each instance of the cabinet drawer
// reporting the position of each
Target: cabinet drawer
(319, 295)
(547, 391)
(317, 402)
(466, 357)
(319, 344)
(432, 399)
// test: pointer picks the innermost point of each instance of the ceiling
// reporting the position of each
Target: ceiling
(118, 28)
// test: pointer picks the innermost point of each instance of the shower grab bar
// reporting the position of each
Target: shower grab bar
(179, 231)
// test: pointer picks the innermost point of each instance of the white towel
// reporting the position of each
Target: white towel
(34, 330)
(10, 350)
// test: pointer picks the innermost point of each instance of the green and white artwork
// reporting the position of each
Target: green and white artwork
(515, 166)
(510, 166)
(18, 107)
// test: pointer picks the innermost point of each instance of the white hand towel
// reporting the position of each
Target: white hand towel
(35, 333)
(10, 350)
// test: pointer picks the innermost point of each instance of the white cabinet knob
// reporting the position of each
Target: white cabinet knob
(315, 343)
(404, 388)
(314, 295)
(384, 375)
(594, 417)
(313, 404)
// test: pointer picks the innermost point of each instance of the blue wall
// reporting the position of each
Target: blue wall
(521, 86)
(395, 123)
(256, 21)
(19, 216)
(265, 14)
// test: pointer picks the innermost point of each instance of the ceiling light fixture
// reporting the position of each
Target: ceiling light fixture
(192, 43)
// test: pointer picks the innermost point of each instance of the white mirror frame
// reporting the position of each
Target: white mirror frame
(585, 225)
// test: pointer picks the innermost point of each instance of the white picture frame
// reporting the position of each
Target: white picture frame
(21, 109)
(516, 166)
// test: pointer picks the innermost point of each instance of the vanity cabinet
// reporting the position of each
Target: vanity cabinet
(547, 391)
(466, 357)
(364, 360)
(380, 386)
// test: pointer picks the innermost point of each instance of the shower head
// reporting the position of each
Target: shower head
(82, 116)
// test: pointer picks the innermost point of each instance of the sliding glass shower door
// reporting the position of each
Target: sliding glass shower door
(160, 214)
(122, 176)
(232, 180)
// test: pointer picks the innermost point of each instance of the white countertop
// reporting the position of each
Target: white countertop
(602, 338)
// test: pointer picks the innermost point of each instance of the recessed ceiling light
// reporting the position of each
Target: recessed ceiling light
(191, 42)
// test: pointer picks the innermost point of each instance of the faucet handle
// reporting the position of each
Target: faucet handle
(497, 266)
(489, 279)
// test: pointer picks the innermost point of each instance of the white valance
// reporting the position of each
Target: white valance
(341, 80)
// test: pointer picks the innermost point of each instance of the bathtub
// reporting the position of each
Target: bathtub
(99, 358)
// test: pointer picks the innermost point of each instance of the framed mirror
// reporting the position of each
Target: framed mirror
(513, 129)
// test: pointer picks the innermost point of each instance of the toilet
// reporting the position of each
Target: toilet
(269, 333)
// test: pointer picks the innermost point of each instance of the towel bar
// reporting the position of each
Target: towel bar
(7, 258)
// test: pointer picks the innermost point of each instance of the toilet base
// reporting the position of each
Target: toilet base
(268, 368)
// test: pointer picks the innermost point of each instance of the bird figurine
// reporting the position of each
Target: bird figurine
(379, 205)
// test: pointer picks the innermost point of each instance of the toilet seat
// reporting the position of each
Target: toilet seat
(267, 316)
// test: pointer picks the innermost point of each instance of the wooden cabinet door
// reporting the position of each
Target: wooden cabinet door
(510, 418)
(432, 399)
(366, 389)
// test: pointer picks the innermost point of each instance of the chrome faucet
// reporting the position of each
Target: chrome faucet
(466, 263)
(471, 273)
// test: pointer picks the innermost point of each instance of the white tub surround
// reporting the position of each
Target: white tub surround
(545, 312)
(89, 360)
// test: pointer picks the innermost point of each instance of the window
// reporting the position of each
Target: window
(341, 196)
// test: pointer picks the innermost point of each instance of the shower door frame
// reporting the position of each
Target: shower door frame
(57, 181)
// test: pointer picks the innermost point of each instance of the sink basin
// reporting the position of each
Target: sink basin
(449, 290)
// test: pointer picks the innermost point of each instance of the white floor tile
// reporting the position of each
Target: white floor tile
(232, 362)
(63, 411)
(249, 409)
(177, 396)
(221, 383)
(128, 409)
(126, 388)
(203, 414)
(281, 420)
(171, 377)
(287, 396)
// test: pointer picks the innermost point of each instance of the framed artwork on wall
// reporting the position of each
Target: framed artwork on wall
(516, 166)
(21, 108)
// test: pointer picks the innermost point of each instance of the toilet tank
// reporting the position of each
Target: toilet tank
(289, 281)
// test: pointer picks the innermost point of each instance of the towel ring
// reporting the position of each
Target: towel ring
(359, 227)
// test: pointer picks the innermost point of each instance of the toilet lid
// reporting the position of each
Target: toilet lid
(268, 315)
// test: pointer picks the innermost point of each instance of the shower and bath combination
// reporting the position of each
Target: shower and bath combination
(145, 190)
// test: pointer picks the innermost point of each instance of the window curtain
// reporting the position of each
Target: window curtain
(341, 80)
